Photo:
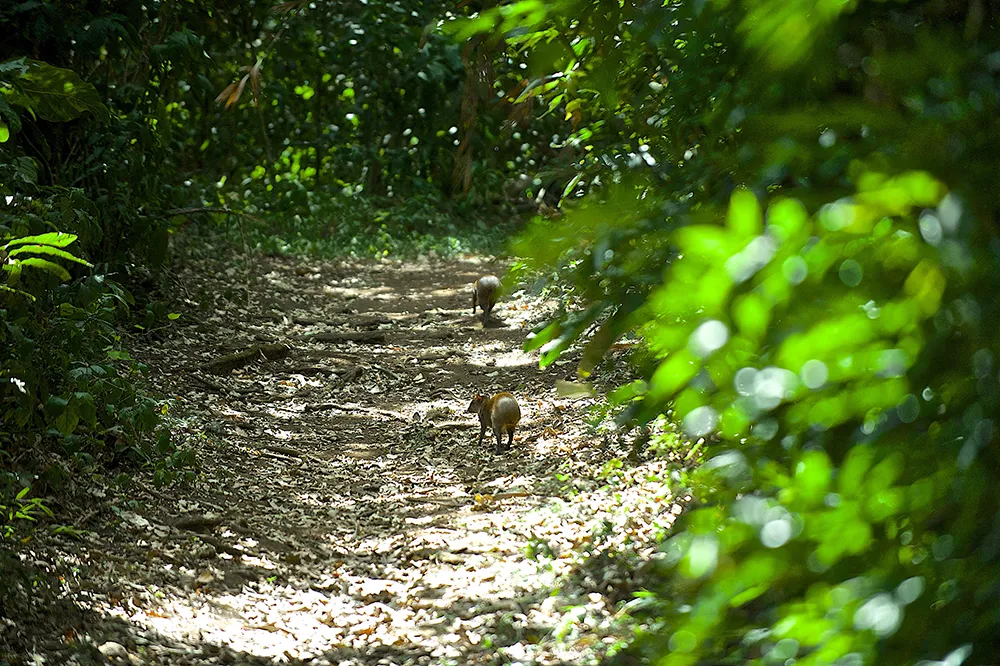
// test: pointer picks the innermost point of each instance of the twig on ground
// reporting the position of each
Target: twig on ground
(282, 449)
(436, 500)
(207, 382)
(319, 406)
(276, 456)
(461, 501)
(196, 522)
(155, 493)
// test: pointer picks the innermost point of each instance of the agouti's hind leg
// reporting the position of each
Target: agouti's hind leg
(499, 435)
(510, 438)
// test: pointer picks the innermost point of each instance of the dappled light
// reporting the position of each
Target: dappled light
(344, 512)
(521, 332)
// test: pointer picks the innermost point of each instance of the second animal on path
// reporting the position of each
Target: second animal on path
(500, 413)
(485, 292)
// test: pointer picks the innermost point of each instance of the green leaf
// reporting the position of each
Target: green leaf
(853, 471)
(70, 311)
(572, 184)
(628, 392)
(54, 93)
(464, 28)
(4, 287)
(553, 103)
(536, 340)
(67, 421)
(813, 475)
(56, 405)
(84, 405)
(559, 337)
(54, 238)
(672, 374)
(14, 270)
(4, 132)
(52, 251)
(25, 169)
(173, 316)
(708, 242)
(19, 65)
(751, 314)
(745, 217)
(46, 265)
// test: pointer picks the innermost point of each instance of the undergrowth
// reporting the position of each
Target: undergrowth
(376, 227)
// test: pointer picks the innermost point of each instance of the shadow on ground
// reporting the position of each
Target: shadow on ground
(343, 512)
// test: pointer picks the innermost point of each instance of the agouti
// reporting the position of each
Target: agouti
(484, 294)
(500, 413)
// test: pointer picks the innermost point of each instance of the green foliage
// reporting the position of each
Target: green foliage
(50, 93)
(367, 99)
(66, 374)
(817, 353)
(350, 150)
(14, 259)
(21, 509)
(796, 215)
(76, 185)
(370, 227)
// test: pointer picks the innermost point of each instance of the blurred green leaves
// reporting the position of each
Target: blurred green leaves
(520, 16)
(786, 31)
(795, 210)
(793, 292)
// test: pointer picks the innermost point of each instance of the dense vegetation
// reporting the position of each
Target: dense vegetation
(113, 132)
(790, 203)
(799, 223)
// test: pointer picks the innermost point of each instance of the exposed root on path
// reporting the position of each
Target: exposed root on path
(343, 512)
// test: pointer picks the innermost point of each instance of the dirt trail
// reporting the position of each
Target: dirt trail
(343, 512)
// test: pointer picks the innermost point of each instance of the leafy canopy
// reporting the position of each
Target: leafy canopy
(790, 204)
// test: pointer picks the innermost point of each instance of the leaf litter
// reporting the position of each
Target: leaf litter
(343, 513)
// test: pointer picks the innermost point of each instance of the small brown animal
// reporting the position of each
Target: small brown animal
(484, 294)
(500, 413)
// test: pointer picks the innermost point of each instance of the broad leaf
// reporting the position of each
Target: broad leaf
(25, 169)
(609, 333)
(14, 271)
(68, 420)
(9, 290)
(55, 252)
(53, 93)
(9, 116)
(47, 265)
(55, 238)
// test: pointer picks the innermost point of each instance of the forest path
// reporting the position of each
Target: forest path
(343, 511)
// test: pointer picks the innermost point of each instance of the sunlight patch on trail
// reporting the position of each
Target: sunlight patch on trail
(353, 516)
(439, 592)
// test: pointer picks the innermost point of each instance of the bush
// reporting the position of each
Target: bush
(69, 391)
(798, 222)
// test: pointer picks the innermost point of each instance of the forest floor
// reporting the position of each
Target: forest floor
(343, 512)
